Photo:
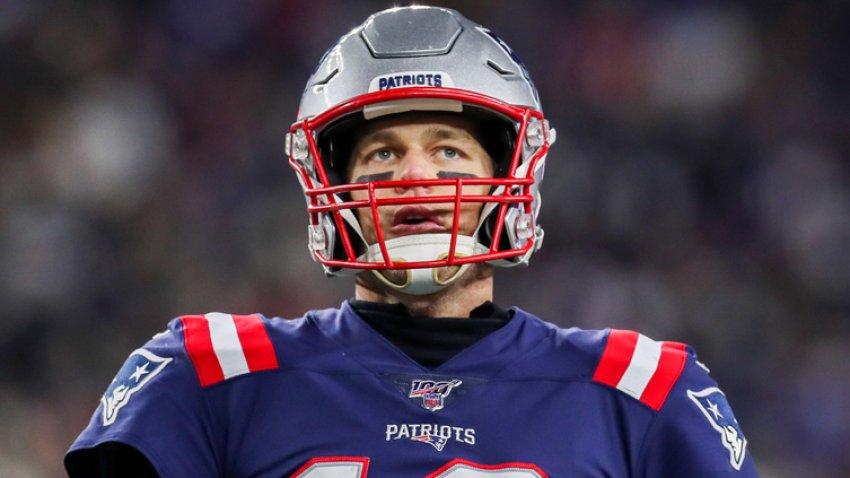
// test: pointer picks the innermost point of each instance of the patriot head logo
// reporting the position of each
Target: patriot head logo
(141, 366)
(432, 393)
(712, 403)
(437, 441)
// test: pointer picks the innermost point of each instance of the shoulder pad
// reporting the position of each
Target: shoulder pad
(641, 367)
(223, 346)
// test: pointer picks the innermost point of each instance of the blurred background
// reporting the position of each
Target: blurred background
(699, 192)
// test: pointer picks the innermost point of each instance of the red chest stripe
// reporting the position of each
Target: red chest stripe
(223, 346)
(641, 367)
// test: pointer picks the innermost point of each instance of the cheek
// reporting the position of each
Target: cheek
(470, 211)
(484, 167)
(470, 214)
(476, 190)
(364, 215)
(367, 225)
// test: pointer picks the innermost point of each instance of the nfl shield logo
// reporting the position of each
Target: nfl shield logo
(433, 393)
(432, 401)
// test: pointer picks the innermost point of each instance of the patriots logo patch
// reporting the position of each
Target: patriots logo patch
(712, 403)
(141, 366)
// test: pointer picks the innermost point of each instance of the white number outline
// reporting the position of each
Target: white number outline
(318, 467)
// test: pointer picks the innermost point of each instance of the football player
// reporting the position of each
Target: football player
(420, 145)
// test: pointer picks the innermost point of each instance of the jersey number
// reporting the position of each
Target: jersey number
(358, 467)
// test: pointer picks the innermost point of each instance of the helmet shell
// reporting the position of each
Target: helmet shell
(408, 46)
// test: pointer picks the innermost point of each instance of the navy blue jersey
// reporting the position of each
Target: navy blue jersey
(326, 396)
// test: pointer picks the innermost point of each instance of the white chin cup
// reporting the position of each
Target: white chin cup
(417, 248)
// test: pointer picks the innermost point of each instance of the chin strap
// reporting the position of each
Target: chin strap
(417, 248)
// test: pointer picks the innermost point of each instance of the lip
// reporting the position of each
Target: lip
(430, 223)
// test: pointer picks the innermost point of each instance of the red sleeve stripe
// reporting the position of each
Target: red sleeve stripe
(196, 336)
(615, 360)
(670, 366)
(223, 346)
(640, 367)
(258, 349)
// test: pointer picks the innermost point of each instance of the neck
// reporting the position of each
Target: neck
(472, 289)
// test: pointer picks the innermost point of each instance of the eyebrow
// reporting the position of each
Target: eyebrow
(440, 132)
(386, 176)
(436, 132)
(379, 137)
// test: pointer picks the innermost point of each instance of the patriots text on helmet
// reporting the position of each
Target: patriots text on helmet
(410, 78)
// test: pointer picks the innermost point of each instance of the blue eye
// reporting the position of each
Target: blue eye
(383, 155)
(450, 153)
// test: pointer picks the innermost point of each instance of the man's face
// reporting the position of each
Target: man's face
(419, 146)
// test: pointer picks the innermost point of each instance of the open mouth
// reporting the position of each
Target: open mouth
(416, 220)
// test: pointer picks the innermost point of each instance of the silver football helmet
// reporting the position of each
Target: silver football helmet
(420, 59)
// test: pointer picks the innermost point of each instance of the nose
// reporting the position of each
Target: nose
(415, 165)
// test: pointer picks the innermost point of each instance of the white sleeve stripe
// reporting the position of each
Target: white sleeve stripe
(642, 367)
(226, 345)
